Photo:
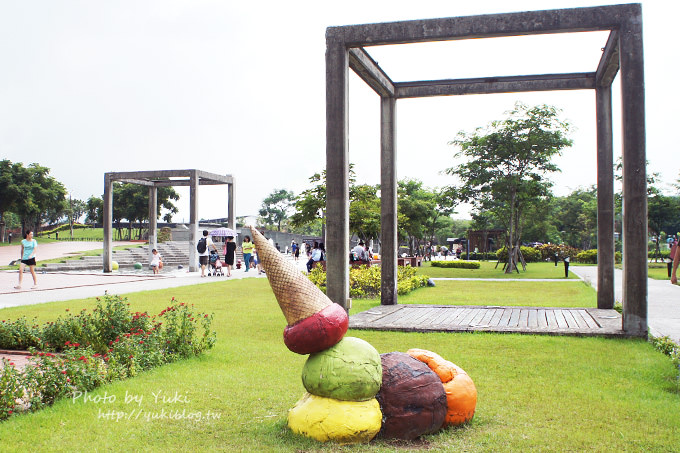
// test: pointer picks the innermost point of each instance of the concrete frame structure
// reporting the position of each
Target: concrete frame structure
(164, 178)
(345, 48)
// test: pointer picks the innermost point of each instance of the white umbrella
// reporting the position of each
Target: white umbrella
(223, 232)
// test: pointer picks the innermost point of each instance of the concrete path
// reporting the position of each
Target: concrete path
(663, 298)
(52, 250)
(57, 286)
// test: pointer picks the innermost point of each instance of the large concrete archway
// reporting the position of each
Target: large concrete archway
(164, 178)
(346, 48)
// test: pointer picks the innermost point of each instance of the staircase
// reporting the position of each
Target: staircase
(174, 253)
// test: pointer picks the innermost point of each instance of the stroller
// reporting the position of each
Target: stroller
(215, 268)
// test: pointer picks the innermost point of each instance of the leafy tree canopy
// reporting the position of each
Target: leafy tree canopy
(505, 166)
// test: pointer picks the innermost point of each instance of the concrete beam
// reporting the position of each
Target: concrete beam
(609, 62)
(388, 201)
(163, 177)
(140, 182)
(153, 210)
(634, 177)
(487, 85)
(482, 26)
(231, 222)
(107, 222)
(193, 223)
(369, 71)
(337, 173)
(605, 198)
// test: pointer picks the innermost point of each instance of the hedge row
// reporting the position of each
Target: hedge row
(456, 264)
(365, 281)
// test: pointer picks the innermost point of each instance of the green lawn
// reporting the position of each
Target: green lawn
(488, 270)
(470, 292)
(545, 393)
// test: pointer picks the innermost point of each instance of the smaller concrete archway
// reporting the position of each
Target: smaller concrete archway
(164, 178)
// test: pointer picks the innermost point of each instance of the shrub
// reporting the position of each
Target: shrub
(164, 235)
(11, 388)
(548, 251)
(365, 281)
(64, 227)
(19, 334)
(456, 264)
(590, 257)
(587, 256)
(108, 344)
(530, 254)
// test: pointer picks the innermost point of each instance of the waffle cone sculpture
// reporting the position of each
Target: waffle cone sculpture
(315, 323)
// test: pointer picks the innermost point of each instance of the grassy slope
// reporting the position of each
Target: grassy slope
(535, 392)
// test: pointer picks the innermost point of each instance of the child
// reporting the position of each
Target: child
(156, 262)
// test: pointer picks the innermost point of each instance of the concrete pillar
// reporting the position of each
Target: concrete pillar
(337, 173)
(193, 222)
(153, 210)
(634, 177)
(605, 199)
(107, 222)
(231, 222)
(388, 200)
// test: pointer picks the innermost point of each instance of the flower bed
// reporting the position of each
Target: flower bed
(365, 281)
(80, 352)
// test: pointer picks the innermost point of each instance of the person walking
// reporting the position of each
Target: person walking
(247, 248)
(203, 248)
(28, 248)
(229, 253)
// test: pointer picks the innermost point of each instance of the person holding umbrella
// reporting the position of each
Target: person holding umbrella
(229, 253)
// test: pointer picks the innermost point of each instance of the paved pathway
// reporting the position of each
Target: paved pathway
(663, 301)
(9, 253)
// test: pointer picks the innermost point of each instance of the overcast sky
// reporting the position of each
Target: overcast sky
(238, 88)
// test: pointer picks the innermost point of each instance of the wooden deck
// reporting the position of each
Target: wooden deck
(453, 318)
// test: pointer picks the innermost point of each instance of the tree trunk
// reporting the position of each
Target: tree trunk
(510, 241)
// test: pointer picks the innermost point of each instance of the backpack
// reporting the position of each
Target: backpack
(201, 247)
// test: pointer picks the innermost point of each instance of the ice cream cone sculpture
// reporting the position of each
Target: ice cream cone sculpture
(314, 322)
(353, 392)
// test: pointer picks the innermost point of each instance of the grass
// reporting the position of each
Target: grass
(467, 292)
(535, 392)
(488, 270)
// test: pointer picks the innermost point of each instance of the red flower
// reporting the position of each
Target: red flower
(141, 342)
(10, 412)
(131, 356)
(11, 363)
(63, 371)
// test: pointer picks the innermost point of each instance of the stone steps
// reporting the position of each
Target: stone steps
(174, 254)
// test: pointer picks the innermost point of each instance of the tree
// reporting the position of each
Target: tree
(416, 206)
(42, 197)
(10, 192)
(364, 207)
(131, 202)
(276, 206)
(364, 212)
(94, 212)
(660, 212)
(507, 164)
